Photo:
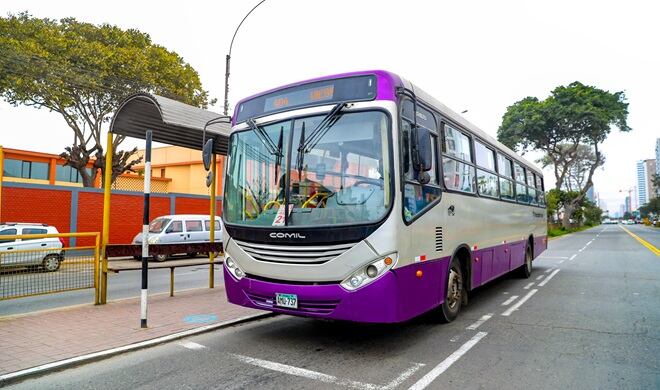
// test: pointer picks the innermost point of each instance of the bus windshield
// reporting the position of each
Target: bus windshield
(339, 172)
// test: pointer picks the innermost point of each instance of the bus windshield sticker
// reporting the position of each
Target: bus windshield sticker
(279, 218)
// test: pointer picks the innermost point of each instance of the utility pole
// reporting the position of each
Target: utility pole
(228, 58)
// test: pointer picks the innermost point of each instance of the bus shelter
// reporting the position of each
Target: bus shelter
(148, 116)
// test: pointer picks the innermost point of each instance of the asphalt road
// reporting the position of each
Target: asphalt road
(125, 284)
(587, 318)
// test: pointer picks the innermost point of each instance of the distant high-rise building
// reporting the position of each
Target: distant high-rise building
(642, 188)
(627, 205)
(657, 156)
(651, 169)
(590, 193)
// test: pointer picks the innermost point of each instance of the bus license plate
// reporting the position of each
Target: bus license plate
(286, 300)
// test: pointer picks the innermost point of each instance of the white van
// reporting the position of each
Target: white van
(180, 229)
(45, 252)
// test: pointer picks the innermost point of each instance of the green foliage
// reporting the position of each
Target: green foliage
(572, 118)
(560, 231)
(82, 71)
(651, 208)
(593, 214)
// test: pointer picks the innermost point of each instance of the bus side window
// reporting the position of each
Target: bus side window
(416, 196)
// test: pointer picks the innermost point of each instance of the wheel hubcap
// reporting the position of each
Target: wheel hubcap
(51, 264)
(454, 289)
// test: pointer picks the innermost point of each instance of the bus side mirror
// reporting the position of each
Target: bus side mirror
(422, 153)
(207, 154)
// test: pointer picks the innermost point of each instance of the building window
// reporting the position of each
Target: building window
(70, 174)
(26, 169)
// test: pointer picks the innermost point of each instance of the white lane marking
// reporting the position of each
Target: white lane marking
(540, 277)
(508, 301)
(403, 376)
(505, 293)
(519, 303)
(635, 293)
(321, 377)
(297, 371)
(561, 262)
(528, 285)
(480, 321)
(589, 243)
(548, 270)
(572, 257)
(191, 345)
(546, 280)
(580, 250)
(445, 364)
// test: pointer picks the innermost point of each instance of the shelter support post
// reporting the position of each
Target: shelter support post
(145, 231)
(214, 169)
(171, 281)
(107, 183)
(2, 165)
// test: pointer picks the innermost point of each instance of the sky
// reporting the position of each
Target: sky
(480, 56)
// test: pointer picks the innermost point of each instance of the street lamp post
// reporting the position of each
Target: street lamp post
(228, 58)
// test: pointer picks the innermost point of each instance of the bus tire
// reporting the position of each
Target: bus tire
(525, 270)
(451, 306)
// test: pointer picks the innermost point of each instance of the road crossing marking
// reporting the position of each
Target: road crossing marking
(528, 285)
(445, 364)
(546, 280)
(321, 377)
(191, 345)
(508, 301)
(480, 321)
(519, 303)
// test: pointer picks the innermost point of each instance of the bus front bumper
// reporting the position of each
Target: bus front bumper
(397, 296)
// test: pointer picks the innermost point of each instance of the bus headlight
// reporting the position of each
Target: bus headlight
(368, 273)
(233, 268)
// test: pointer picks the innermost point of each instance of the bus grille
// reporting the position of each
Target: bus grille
(304, 306)
(294, 254)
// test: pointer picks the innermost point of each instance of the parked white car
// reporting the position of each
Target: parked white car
(45, 252)
(180, 229)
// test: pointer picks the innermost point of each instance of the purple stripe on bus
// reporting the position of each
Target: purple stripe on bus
(385, 81)
(397, 296)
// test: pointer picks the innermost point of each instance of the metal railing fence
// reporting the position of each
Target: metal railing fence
(38, 264)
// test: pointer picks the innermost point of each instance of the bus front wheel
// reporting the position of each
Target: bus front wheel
(454, 296)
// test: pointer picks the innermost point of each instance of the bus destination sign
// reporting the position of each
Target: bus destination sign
(355, 88)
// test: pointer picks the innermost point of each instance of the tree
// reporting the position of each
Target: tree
(83, 71)
(575, 165)
(571, 116)
(651, 208)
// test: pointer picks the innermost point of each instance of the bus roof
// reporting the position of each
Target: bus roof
(454, 116)
(386, 85)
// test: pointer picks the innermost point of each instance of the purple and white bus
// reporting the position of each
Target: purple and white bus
(396, 204)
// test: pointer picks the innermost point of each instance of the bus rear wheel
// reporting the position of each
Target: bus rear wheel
(525, 270)
(454, 296)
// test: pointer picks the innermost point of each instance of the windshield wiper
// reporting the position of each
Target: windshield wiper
(264, 138)
(306, 145)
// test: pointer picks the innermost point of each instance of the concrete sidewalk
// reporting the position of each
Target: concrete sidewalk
(34, 339)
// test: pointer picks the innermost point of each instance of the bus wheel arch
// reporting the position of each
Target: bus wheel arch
(456, 285)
